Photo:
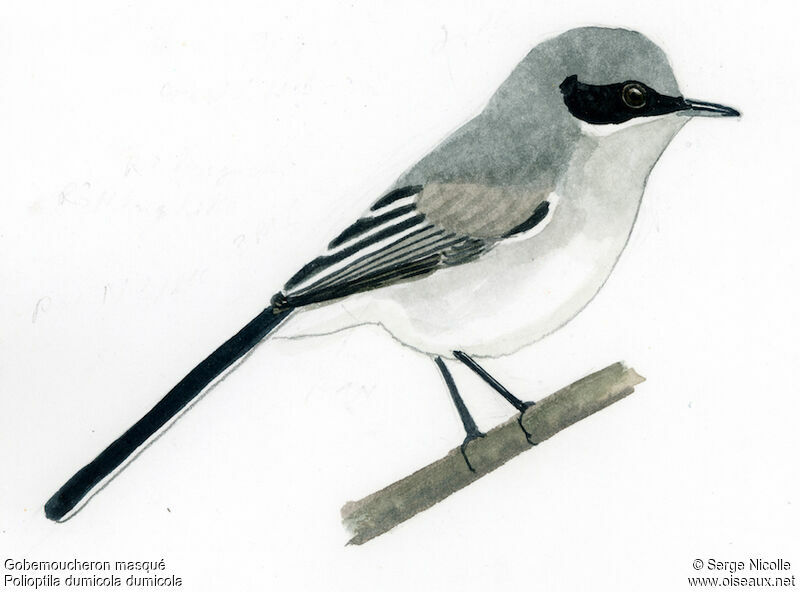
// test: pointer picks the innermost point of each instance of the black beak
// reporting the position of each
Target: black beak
(694, 108)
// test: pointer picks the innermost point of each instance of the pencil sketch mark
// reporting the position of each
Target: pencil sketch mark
(41, 306)
(63, 199)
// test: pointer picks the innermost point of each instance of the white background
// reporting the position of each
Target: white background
(166, 166)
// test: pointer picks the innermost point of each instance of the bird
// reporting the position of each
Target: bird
(497, 237)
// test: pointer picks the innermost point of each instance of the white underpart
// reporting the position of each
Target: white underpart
(522, 289)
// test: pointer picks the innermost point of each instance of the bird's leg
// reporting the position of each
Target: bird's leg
(520, 405)
(466, 417)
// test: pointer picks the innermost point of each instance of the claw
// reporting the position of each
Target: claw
(527, 405)
(467, 440)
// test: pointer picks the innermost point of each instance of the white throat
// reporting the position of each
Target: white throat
(610, 167)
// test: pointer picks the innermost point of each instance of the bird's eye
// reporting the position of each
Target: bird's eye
(634, 95)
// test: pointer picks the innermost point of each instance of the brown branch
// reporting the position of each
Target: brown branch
(385, 509)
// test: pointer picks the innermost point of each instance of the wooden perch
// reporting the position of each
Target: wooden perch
(385, 509)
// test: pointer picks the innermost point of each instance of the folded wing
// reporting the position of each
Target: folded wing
(395, 242)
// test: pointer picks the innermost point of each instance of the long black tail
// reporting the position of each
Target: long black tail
(74, 490)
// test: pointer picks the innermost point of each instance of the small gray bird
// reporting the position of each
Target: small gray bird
(499, 236)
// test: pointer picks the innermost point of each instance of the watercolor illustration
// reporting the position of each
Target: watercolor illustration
(495, 239)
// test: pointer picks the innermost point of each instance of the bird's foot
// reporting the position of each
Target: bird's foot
(525, 406)
(470, 437)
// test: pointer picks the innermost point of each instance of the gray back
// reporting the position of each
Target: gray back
(525, 135)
